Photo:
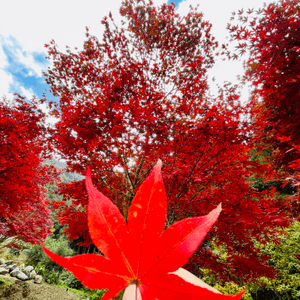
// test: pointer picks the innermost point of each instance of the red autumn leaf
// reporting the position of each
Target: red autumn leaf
(141, 257)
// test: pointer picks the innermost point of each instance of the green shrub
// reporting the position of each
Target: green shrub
(227, 288)
(46, 267)
(37, 256)
(283, 257)
(73, 282)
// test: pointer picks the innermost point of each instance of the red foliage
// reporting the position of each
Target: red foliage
(141, 94)
(23, 208)
(140, 255)
(295, 180)
(271, 38)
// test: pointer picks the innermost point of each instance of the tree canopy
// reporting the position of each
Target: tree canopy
(141, 94)
(270, 37)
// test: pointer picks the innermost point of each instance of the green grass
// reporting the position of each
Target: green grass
(90, 294)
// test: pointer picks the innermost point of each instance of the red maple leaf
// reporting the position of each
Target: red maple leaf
(141, 256)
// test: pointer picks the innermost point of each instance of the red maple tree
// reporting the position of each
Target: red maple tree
(23, 209)
(140, 94)
(270, 37)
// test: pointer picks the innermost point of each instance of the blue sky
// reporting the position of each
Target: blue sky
(24, 68)
(175, 1)
(25, 26)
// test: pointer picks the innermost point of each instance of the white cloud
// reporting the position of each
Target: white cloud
(20, 56)
(33, 23)
(218, 13)
(28, 93)
(5, 78)
(50, 120)
(5, 81)
(33, 67)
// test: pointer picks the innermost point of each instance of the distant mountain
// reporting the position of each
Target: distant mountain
(65, 176)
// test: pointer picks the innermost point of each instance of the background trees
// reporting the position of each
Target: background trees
(23, 209)
(271, 38)
(141, 94)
